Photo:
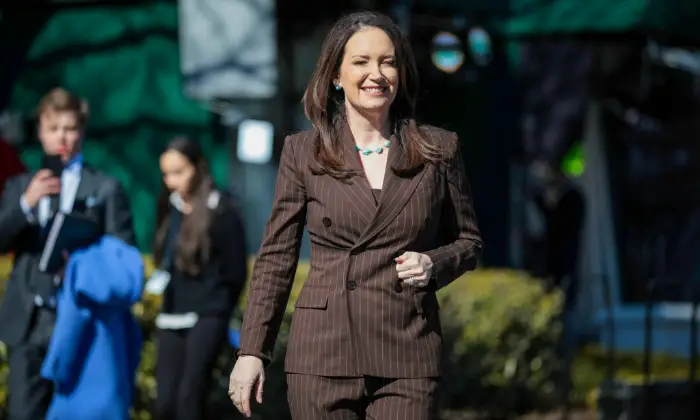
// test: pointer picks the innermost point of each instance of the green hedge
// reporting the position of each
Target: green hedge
(501, 330)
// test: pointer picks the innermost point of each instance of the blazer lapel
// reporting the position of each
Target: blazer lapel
(85, 186)
(86, 189)
(357, 188)
(396, 191)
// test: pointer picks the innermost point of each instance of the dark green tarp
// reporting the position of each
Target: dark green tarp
(671, 18)
(125, 61)
(516, 18)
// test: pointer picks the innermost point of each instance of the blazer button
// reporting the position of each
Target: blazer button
(398, 287)
(326, 221)
(352, 285)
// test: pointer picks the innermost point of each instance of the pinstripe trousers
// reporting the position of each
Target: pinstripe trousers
(314, 397)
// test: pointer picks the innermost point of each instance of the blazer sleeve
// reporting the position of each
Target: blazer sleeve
(462, 244)
(118, 218)
(12, 218)
(274, 270)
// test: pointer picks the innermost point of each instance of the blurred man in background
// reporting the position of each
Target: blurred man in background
(28, 310)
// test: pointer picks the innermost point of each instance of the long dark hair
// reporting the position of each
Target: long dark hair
(193, 246)
(324, 106)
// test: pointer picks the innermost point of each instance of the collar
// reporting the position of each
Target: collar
(212, 201)
(75, 164)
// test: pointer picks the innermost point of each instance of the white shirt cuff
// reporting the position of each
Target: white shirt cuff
(28, 213)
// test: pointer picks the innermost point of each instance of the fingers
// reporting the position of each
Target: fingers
(241, 392)
(51, 183)
(415, 282)
(413, 268)
(46, 183)
(43, 174)
(46, 176)
(259, 393)
(233, 390)
(244, 401)
(408, 255)
(408, 261)
(415, 272)
(240, 395)
(51, 186)
(408, 265)
(248, 373)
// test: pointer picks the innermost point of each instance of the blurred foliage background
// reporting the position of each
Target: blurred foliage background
(502, 341)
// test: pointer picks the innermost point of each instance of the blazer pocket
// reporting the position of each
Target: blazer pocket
(312, 297)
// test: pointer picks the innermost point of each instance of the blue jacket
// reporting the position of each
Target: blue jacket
(96, 343)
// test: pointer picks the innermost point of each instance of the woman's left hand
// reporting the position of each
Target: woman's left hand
(414, 269)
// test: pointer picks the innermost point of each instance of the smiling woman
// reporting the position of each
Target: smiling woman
(368, 74)
(389, 213)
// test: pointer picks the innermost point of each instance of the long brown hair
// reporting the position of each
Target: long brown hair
(193, 246)
(324, 106)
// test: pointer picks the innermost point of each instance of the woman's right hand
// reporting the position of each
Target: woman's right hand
(247, 373)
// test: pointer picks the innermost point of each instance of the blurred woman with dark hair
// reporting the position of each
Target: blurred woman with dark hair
(199, 250)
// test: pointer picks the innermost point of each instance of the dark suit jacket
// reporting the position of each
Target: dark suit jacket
(17, 235)
(353, 316)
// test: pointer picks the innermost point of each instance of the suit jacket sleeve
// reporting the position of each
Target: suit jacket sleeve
(12, 218)
(462, 243)
(118, 219)
(274, 270)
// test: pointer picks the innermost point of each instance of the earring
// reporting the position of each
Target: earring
(337, 87)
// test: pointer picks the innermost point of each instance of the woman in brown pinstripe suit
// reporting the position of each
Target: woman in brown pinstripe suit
(388, 209)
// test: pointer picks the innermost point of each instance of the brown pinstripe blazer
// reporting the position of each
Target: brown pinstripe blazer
(353, 317)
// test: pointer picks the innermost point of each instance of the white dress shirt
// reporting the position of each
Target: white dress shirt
(70, 179)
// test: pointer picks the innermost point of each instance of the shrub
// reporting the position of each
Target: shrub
(589, 371)
(501, 332)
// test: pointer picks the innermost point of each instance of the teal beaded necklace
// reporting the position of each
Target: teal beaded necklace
(377, 150)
